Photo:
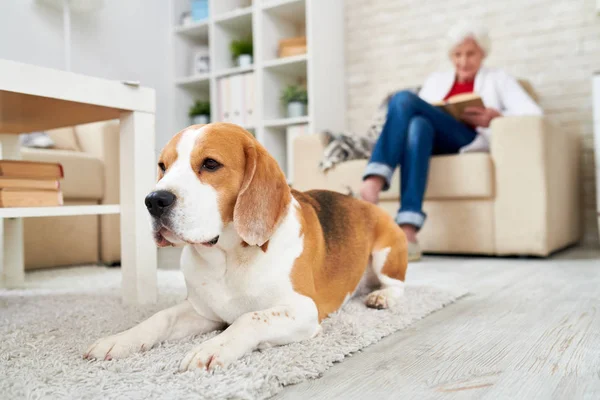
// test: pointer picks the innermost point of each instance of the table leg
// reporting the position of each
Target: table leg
(138, 174)
(12, 265)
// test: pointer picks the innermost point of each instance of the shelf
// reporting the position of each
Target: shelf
(198, 30)
(234, 17)
(194, 82)
(284, 122)
(233, 71)
(292, 10)
(294, 65)
(62, 211)
(268, 4)
(266, 23)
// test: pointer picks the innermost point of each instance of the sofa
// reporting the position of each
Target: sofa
(89, 155)
(521, 198)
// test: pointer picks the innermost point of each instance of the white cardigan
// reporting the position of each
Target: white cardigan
(497, 89)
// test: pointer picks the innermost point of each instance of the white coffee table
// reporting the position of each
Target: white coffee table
(33, 98)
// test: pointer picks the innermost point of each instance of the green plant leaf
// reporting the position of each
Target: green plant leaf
(241, 46)
(293, 93)
(199, 108)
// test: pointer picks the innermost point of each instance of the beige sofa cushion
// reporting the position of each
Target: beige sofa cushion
(84, 174)
(64, 139)
(462, 176)
(58, 241)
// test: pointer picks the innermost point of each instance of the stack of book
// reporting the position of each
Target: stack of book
(30, 184)
(235, 96)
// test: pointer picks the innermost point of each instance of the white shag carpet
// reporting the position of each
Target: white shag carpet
(46, 327)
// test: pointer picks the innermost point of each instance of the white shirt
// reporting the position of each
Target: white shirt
(497, 89)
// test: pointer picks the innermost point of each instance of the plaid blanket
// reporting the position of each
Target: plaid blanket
(346, 146)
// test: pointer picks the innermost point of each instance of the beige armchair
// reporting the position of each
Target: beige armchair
(90, 158)
(522, 198)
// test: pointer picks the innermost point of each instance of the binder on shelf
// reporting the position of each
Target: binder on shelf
(292, 132)
(248, 114)
(236, 98)
(224, 99)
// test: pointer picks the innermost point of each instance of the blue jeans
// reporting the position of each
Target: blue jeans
(414, 131)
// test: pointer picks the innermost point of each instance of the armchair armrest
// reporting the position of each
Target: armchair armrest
(307, 152)
(537, 186)
(101, 139)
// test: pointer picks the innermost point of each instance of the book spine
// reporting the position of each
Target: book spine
(236, 99)
(243, 98)
(219, 109)
(225, 97)
(249, 102)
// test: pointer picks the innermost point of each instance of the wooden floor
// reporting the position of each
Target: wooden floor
(530, 329)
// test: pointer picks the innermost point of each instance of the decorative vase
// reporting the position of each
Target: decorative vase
(200, 119)
(296, 109)
(200, 62)
(244, 60)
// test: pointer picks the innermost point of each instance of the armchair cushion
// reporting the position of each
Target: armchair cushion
(84, 174)
(64, 139)
(463, 176)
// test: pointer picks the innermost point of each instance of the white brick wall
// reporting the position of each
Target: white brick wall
(555, 44)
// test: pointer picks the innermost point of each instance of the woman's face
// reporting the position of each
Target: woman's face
(467, 58)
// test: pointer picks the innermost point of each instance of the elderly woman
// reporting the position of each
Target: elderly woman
(415, 130)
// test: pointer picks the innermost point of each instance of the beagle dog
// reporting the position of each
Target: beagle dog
(262, 261)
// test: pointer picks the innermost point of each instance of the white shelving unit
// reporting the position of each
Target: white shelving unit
(596, 113)
(267, 22)
(62, 211)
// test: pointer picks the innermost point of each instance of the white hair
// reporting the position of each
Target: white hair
(468, 30)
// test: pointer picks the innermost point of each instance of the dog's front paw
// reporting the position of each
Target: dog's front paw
(116, 346)
(382, 299)
(212, 354)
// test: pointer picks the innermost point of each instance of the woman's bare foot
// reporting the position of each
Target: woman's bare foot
(370, 188)
(410, 231)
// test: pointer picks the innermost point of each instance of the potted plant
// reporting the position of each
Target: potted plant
(241, 51)
(295, 98)
(200, 112)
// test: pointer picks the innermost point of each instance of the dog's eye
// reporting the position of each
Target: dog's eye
(210, 165)
(162, 166)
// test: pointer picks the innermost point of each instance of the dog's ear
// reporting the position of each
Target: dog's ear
(263, 198)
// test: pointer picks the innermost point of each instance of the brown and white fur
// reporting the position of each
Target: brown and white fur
(282, 262)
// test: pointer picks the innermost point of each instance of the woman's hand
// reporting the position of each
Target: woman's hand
(477, 116)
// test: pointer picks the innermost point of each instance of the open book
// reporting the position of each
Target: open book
(456, 104)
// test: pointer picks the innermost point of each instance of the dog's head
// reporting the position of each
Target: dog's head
(210, 176)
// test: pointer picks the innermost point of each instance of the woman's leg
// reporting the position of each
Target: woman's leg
(426, 137)
(432, 132)
(389, 148)
(414, 169)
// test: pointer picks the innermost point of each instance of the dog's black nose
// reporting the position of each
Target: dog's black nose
(157, 202)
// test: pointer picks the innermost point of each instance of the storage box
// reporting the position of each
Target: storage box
(292, 46)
